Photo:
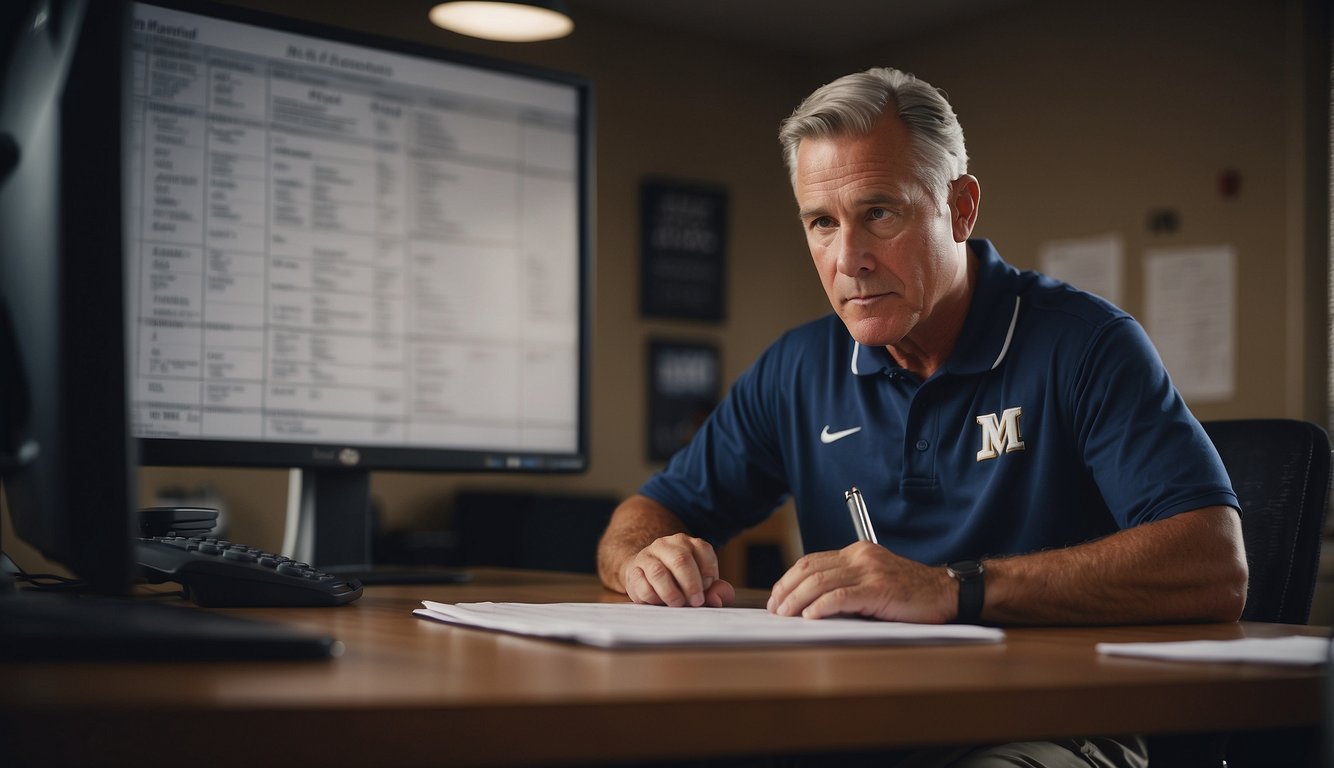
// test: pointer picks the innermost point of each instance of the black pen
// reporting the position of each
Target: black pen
(861, 519)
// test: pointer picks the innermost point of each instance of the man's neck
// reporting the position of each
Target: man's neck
(929, 345)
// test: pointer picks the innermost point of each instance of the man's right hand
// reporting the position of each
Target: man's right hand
(677, 570)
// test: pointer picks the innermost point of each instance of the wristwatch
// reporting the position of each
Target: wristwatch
(969, 575)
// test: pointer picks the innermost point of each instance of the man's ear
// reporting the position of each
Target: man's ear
(965, 195)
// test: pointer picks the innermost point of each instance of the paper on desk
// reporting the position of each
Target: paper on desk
(1269, 650)
(625, 625)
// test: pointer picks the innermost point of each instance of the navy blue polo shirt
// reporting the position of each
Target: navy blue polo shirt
(1053, 422)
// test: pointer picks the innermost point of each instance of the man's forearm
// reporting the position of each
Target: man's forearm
(635, 524)
(1190, 567)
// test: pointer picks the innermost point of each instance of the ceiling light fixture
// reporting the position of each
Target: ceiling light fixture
(512, 22)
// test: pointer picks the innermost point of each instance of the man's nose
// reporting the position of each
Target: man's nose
(854, 251)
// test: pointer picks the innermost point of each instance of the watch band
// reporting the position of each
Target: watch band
(972, 590)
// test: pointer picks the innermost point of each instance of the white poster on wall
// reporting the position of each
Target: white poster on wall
(1093, 264)
(1190, 309)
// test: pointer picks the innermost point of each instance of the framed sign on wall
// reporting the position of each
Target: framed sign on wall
(683, 250)
(684, 381)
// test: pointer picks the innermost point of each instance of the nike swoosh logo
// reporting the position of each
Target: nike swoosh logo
(828, 437)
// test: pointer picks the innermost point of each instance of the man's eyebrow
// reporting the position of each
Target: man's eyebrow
(877, 198)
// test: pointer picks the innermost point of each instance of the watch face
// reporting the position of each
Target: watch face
(964, 570)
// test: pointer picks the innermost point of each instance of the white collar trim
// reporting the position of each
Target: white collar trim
(1005, 348)
(1009, 335)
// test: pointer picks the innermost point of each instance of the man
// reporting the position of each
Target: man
(1022, 452)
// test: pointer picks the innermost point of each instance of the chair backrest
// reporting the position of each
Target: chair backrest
(1280, 469)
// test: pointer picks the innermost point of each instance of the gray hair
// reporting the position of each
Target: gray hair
(852, 104)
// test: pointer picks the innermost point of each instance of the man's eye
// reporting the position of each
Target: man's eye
(879, 214)
(822, 222)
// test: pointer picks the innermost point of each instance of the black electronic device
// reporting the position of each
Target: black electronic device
(66, 628)
(67, 459)
(182, 521)
(219, 573)
(174, 545)
(351, 254)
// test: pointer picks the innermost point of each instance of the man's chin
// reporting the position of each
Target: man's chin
(874, 332)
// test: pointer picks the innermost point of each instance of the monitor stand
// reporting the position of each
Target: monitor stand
(330, 525)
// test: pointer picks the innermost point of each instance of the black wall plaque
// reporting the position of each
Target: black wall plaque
(683, 262)
(683, 379)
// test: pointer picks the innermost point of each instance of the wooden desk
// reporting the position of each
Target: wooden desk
(409, 692)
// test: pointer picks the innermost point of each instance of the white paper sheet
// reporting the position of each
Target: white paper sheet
(1297, 650)
(623, 625)
(1190, 302)
(1093, 264)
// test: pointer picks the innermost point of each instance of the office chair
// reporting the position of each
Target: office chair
(1280, 469)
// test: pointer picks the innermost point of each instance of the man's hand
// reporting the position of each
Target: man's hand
(865, 579)
(647, 554)
(1189, 567)
(677, 570)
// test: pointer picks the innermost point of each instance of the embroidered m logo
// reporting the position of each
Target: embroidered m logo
(1000, 435)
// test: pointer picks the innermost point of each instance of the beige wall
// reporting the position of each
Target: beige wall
(1080, 119)
(1083, 117)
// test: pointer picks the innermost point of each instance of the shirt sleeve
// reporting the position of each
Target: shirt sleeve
(730, 476)
(1148, 454)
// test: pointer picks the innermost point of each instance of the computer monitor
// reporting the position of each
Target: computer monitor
(351, 254)
(66, 460)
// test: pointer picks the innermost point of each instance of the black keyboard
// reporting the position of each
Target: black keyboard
(218, 573)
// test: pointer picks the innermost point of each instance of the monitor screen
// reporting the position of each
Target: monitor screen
(349, 254)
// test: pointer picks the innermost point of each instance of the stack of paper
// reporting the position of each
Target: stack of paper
(1296, 650)
(620, 625)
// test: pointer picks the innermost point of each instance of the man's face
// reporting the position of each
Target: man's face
(884, 246)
